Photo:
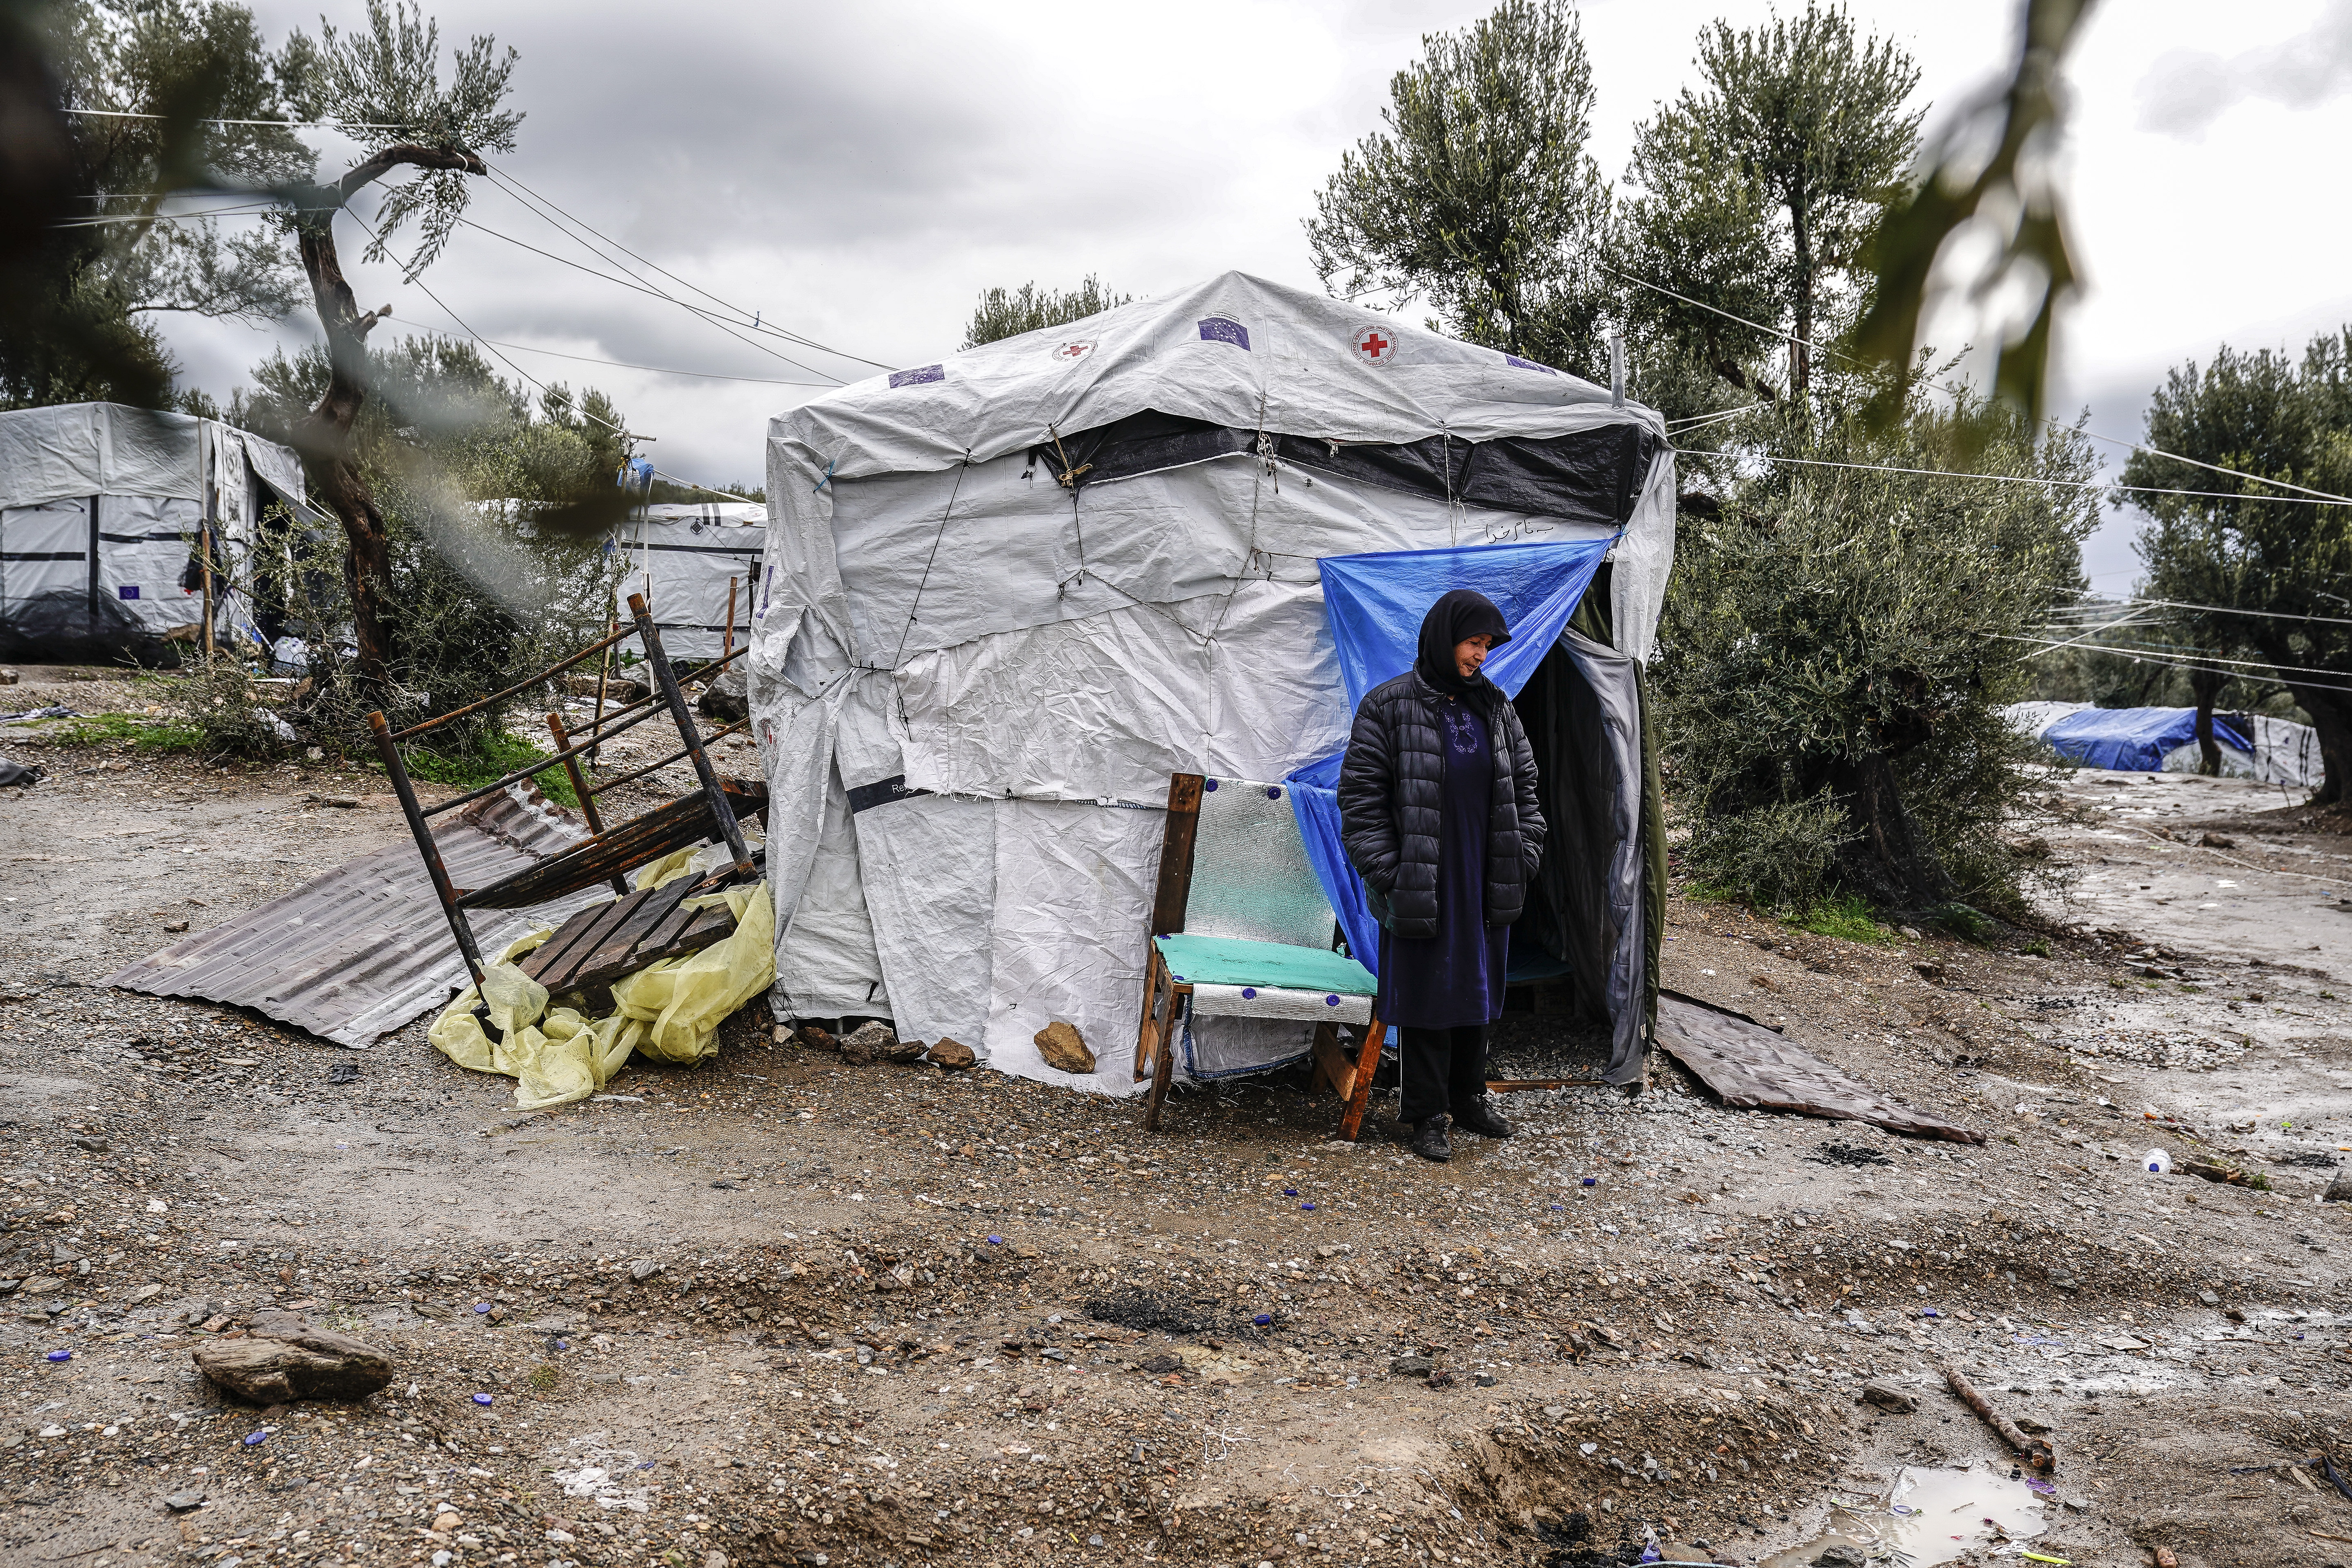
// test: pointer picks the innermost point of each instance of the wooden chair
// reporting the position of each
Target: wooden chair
(1232, 920)
(607, 853)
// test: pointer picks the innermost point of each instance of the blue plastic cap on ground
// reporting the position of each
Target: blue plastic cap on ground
(253, 1438)
(481, 1399)
(61, 1355)
(995, 1241)
(1263, 1319)
(1592, 1181)
(1290, 1192)
(481, 1306)
(1307, 1206)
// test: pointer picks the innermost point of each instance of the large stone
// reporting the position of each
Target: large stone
(1063, 1046)
(2339, 1190)
(1886, 1396)
(310, 1364)
(727, 698)
(952, 1055)
(868, 1042)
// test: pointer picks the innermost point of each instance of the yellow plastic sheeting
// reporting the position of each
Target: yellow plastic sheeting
(670, 1010)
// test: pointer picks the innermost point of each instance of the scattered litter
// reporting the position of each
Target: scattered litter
(481, 1399)
(2156, 1162)
(61, 1355)
(1749, 1068)
(1837, 1153)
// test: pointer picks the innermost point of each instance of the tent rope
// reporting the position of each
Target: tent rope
(1266, 468)
(897, 658)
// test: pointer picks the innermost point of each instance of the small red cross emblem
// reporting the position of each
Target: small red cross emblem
(1373, 347)
(1074, 351)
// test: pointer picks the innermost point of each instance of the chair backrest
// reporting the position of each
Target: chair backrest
(1251, 877)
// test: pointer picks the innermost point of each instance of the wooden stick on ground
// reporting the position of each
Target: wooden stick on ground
(2033, 1450)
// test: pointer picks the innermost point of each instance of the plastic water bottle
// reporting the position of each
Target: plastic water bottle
(2156, 1162)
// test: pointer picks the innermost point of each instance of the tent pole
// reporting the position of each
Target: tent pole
(727, 648)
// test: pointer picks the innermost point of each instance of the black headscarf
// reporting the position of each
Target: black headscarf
(1459, 616)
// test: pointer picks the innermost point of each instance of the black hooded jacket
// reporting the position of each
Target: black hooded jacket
(1390, 784)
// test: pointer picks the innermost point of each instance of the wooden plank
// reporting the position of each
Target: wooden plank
(1175, 888)
(572, 937)
(622, 939)
(1337, 1067)
(1512, 1085)
(676, 920)
(707, 927)
(1368, 1062)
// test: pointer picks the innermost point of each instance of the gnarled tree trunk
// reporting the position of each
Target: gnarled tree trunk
(325, 435)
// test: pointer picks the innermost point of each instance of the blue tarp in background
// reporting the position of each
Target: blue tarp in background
(2133, 740)
(1375, 603)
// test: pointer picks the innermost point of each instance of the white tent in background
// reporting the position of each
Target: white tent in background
(682, 556)
(1003, 598)
(2163, 740)
(101, 509)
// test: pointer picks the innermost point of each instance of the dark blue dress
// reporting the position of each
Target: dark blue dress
(1454, 978)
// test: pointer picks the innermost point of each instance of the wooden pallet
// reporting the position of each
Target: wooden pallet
(604, 942)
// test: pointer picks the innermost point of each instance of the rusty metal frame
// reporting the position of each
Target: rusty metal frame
(598, 856)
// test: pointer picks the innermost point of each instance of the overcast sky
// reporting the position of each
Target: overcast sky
(857, 173)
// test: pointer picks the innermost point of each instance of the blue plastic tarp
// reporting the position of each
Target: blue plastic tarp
(1375, 603)
(2133, 740)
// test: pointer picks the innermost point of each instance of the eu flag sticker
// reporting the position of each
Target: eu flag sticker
(129, 590)
(1225, 330)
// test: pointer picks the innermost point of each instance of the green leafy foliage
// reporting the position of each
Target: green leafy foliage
(1479, 196)
(1816, 646)
(486, 755)
(1008, 312)
(2274, 566)
(1988, 178)
(1762, 187)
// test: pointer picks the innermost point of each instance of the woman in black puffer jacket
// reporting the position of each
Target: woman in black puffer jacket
(1438, 808)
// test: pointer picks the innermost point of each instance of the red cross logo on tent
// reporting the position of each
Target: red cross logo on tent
(1375, 346)
(1076, 351)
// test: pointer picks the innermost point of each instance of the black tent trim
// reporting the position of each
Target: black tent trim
(1588, 476)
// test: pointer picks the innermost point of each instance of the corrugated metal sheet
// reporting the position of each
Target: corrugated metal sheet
(364, 949)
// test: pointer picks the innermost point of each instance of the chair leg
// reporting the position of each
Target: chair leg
(721, 812)
(442, 888)
(1146, 1036)
(1164, 1066)
(1368, 1062)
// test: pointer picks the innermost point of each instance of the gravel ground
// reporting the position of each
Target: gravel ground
(786, 1310)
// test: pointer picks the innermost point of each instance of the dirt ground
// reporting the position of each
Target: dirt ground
(784, 1309)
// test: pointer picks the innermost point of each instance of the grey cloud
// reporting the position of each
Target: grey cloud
(2186, 91)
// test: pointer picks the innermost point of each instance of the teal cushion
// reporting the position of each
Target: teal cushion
(1231, 960)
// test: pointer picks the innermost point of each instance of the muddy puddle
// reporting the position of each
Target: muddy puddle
(1927, 1517)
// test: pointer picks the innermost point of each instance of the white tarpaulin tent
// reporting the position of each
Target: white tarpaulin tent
(100, 506)
(1005, 596)
(2276, 751)
(681, 556)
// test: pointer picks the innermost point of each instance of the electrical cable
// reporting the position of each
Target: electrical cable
(655, 369)
(2028, 480)
(2134, 446)
(518, 370)
(281, 124)
(654, 293)
(2125, 651)
(755, 321)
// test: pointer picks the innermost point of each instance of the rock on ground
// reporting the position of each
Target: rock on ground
(1063, 1046)
(308, 1363)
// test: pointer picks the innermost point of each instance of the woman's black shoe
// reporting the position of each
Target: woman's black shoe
(1429, 1140)
(1481, 1118)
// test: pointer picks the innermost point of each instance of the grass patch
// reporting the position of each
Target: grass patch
(1845, 917)
(1966, 922)
(152, 735)
(493, 757)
